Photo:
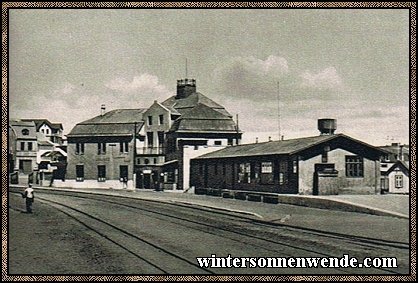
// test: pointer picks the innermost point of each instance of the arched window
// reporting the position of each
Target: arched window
(25, 132)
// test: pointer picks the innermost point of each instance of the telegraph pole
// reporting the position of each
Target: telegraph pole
(134, 157)
(278, 110)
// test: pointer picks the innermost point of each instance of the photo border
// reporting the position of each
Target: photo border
(6, 6)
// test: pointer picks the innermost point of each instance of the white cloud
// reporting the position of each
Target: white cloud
(327, 79)
(142, 83)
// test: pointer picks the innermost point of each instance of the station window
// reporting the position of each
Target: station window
(354, 166)
(244, 174)
(101, 173)
(266, 167)
(79, 173)
(161, 119)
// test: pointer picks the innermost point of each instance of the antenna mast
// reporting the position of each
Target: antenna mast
(186, 68)
(278, 109)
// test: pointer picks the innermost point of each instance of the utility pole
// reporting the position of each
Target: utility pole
(278, 109)
(134, 157)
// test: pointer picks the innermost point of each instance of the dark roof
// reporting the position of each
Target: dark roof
(402, 165)
(40, 122)
(277, 147)
(183, 105)
(203, 118)
(119, 122)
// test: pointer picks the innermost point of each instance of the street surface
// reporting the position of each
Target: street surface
(74, 233)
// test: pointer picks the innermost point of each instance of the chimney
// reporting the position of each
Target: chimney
(282, 137)
(102, 110)
(269, 139)
(185, 88)
(256, 140)
(327, 126)
(401, 152)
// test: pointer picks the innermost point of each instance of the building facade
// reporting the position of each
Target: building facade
(24, 146)
(101, 150)
(184, 126)
(321, 165)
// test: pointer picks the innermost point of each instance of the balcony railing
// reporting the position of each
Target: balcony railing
(150, 150)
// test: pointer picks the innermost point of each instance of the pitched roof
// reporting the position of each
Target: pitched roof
(183, 105)
(203, 118)
(40, 122)
(113, 123)
(277, 147)
(402, 165)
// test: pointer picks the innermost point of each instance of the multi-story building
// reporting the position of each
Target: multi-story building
(51, 131)
(23, 142)
(184, 126)
(101, 150)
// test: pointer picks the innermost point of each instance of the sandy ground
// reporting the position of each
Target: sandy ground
(71, 248)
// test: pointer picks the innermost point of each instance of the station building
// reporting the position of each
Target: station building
(320, 165)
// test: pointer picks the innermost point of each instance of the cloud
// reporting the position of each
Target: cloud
(142, 83)
(327, 79)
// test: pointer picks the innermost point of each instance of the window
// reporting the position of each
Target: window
(101, 173)
(266, 176)
(79, 148)
(161, 119)
(123, 171)
(79, 173)
(101, 148)
(266, 167)
(149, 120)
(398, 181)
(124, 147)
(22, 146)
(354, 166)
(160, 136)
(150, 139)
(295, 166)
(230, 141)
(30, 146)
(244, 174)
(155, 160)
(281, 178)
(384, 183)
(218, 143)
(25, 132)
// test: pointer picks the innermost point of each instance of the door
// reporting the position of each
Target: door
(147, 181)
(25, 166)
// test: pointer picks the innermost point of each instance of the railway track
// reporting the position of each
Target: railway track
(273, 240)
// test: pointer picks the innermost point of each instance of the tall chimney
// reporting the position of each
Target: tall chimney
(401, 152)
(102, 109)
(185, 88)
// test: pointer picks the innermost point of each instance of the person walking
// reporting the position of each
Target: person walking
(125, 182)
(29, 195)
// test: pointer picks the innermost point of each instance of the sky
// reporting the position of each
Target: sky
(297, 64)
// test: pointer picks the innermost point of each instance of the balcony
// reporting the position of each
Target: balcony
(150, 151)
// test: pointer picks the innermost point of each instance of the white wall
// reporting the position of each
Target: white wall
(92, 184)
(190, 152)
(361, 185)
(392, 185)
